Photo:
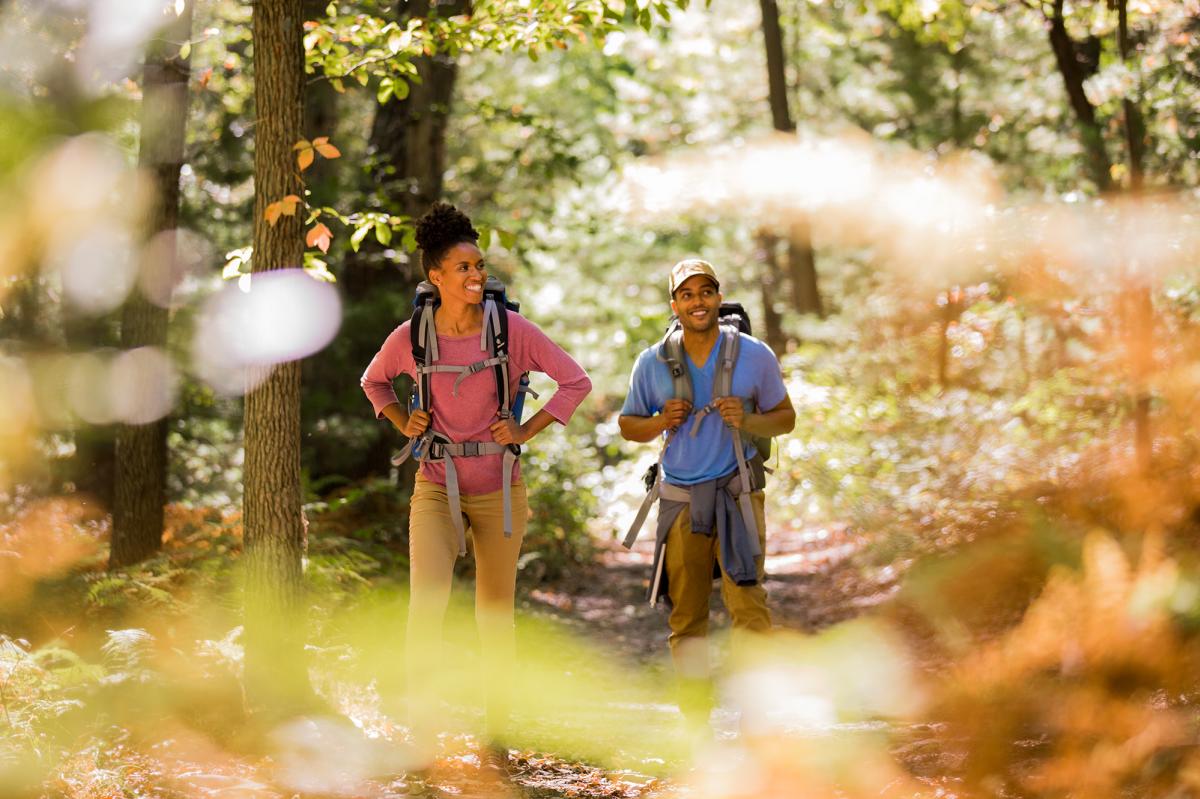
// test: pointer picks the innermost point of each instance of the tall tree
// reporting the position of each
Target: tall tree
(274, 534)
(404, 175)
(768, 255)
(1139, 314)
(1077, 61)
(141, 462)
(802, 266)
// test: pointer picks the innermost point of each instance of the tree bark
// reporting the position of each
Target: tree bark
(772, 324)
(141, 456)
(1073, 74)
(1140, 320)
(802, 267)
(407, 148)
(781, 117)
(1135, 127)
(275, 670)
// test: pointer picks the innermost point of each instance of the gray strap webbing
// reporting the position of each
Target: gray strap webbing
(672, 353)
(478, 366)
(429, 333)
(438, 367)
(491, 319)
(455, 504)
(466, 449)
(510, 465)
(674, 493)
(651, 496)
(744, 499)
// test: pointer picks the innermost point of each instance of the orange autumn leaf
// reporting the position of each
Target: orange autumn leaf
(289, 204)
(327, 150)
(305, 158)
(319, 236)
(272, 213)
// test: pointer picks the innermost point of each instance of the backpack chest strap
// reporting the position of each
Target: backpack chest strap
(463, 371)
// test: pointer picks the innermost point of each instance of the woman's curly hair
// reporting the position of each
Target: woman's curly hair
(439, 229)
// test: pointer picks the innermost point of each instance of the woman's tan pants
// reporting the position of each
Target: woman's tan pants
(433, 549)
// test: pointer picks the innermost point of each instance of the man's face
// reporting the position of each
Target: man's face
(696, 303)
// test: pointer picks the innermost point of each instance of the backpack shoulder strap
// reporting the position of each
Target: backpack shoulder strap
(494, 341)
(423, 336)
(731, 346)
(671, 352)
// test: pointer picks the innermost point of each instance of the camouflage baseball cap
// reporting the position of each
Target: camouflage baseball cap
(690, 268)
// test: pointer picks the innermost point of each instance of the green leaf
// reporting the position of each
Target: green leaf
(508, 239)
(318, 268)
(485, 238)
(356, 238)
(383, 233)
(384, 93)
(410, 239)
(645, 20)
(185, 50)
(399, 88)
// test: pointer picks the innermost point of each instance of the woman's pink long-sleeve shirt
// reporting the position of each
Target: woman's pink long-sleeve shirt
(468, 416)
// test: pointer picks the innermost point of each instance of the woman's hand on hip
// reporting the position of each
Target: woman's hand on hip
(507, 431)
(418, 423)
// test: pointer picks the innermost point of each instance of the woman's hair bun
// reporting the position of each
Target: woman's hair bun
(439, 229)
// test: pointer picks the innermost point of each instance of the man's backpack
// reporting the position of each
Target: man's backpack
(733, 321)
(493, 343)
(730, 314)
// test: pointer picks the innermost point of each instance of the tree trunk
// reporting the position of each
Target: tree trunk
(90, 469)
(1135, 127)
(1142, 317)
(772, 326)
(408, 144)
(141, 456)
(802, 267)
(951, 311)
(274, 534)
(781, 118)
(408, 149)
(1073, 75)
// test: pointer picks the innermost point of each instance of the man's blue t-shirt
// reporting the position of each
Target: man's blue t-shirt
(710, 454)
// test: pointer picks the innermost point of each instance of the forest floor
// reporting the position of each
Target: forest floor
(814, 583)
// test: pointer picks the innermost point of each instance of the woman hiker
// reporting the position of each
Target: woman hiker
(466, 440)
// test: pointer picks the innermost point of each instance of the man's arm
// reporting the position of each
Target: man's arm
(777, 421)
(648, 428)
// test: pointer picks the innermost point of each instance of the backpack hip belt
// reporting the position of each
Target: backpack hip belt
(436, 448)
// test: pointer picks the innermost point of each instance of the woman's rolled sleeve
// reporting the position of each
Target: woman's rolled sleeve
(393, 359)
(536, 352)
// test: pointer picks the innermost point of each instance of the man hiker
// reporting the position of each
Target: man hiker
(709, 480)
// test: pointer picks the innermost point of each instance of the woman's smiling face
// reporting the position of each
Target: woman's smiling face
(461, 274)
